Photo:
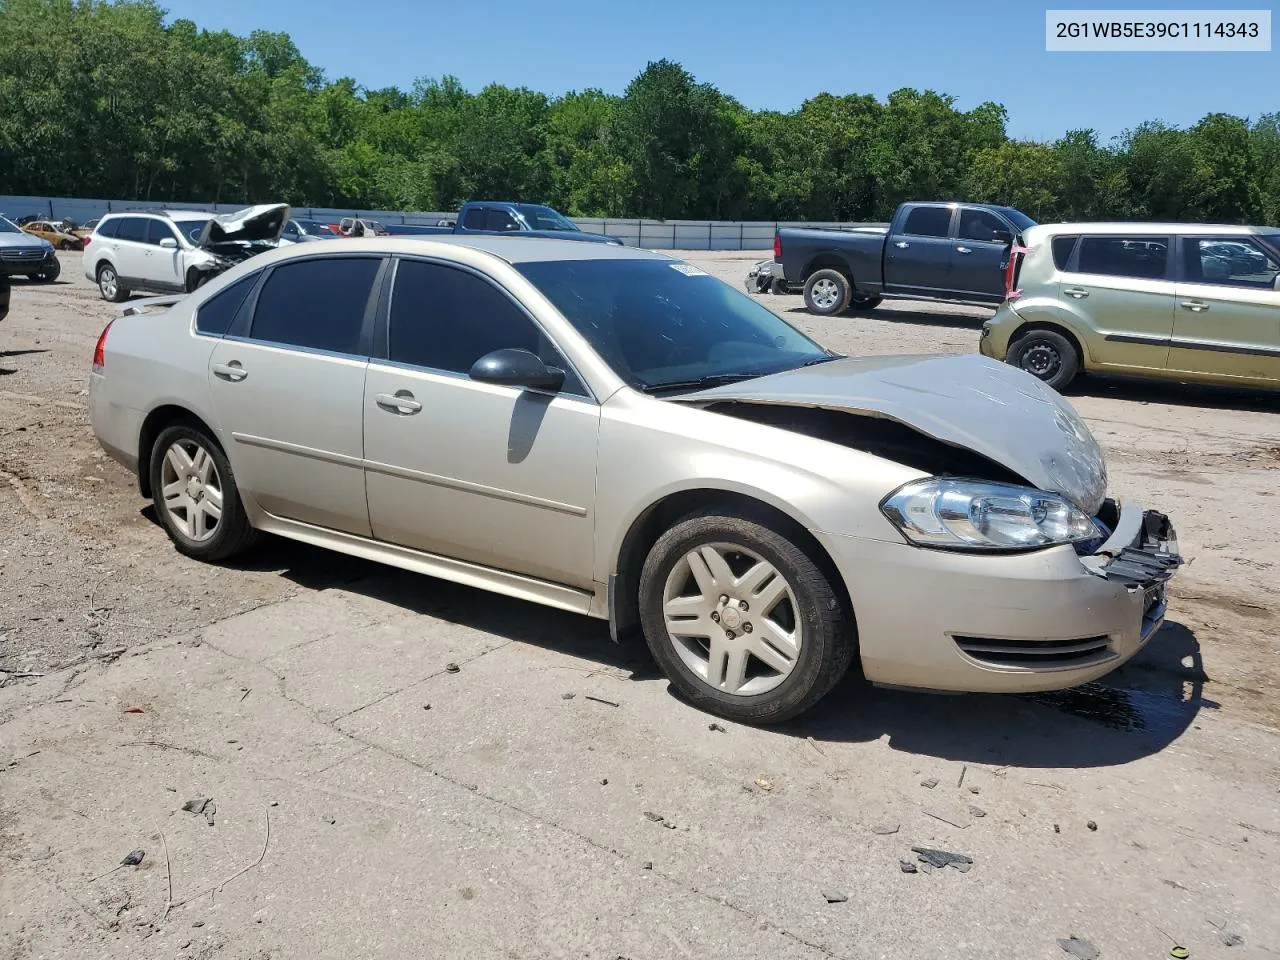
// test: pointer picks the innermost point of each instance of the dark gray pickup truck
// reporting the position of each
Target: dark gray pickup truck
(931, 251)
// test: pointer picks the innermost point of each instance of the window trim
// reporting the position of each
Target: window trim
(381, 353)
(242, 324)
(953, 214)
(1180, 271)
(1073, 266)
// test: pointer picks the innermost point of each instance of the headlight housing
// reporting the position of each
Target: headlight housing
(959, 514)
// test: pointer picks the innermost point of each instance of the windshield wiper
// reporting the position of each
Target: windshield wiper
(699, 383)
(827, 359)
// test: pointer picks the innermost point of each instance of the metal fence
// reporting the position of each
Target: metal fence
(654, 234)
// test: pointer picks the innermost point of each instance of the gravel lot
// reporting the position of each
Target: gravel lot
(485, 827)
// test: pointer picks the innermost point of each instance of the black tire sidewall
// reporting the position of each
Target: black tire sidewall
(230, 534)
(826, 274)
(120, 292)
(821, 613)
(864, 303)
(1068, 364)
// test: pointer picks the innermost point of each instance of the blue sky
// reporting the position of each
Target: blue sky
(766, 54)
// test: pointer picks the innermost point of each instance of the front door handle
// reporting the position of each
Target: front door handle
(230, 371)
(963, 250)
(1195, 306)
(902, 244)
(401, 402)
(1076, 292)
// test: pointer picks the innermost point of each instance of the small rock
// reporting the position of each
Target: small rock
(426, 706)
(1232, 940)
(927, 868)
(974, 791)
(653, 817)
(647, 865)
(835, 896)
(197, 805)
(942, 858)
(185, 945)
(1081, 949)
(906, 866)
(275, 803)
(1056, 828)
(209, 810)
(451, 668)
(764, 783)
(977, 811)
(329, 820)
(1179, 952)
(716, 728)
(133, 858)
(930, 783)
(885, 829)
(567, 696)
(197, 923)
(604, 781)
(1092, 825)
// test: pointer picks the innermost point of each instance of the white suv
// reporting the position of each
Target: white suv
(175, 251)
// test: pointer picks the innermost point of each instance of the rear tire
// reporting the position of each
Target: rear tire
(195, 495)
(109, 287)
(827, 292)
(1047, 355)
(776, 591)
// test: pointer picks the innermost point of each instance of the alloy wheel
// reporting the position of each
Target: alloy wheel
(192, 490)
(825, 294)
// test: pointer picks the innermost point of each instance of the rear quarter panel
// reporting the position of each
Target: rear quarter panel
(861, 255)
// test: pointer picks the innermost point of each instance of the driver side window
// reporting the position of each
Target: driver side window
(444, 318)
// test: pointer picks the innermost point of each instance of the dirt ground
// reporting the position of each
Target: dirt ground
(1180, 749)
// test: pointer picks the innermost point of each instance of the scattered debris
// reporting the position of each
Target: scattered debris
(814, 743)
(247, 691)
(1081, 949)
(956, 819)
(426, 706)
(885, 829)
(963, 770)
(197, 923)
(1041, 783)
(197, 805)
(716, 728)
(1179, 953)
(604, 781)
(607, 703)
(764, 783)
(329, 820)
(1173, 883)
(943, 858)
(1056, 828)
(275, 803)
(974, 791)
(1232, 940)
(977, 811)
(209, 810)
(1092, 825)
(134, 710)
(133, 858)
(930, 783)
(647, 865)
(567, 696)
(927, 868)
(451, 668)
(653, 817)
(906, 866)
(835, 896)
(266, 814)
(45, 854)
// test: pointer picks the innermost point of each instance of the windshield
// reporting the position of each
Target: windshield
(662, 322)
(1018, 218)
(191, 229)
(544, 218)
(7, 227)
(1272, 240)
(375, 225)
(315, 226)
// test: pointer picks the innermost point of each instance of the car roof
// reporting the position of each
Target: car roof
(1149, 229)
(512, 249)
(175, 215)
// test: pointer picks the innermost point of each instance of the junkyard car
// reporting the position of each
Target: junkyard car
(176, 250)
(613, 432)
(766, 277)
(56, 233)
(21, 254)
(1168, 301)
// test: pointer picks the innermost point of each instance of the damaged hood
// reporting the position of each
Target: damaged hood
(263, 223)
(969, 401)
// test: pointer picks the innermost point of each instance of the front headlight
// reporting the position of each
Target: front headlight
(978, 515)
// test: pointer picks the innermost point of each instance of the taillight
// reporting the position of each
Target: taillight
(85, 240)
(100, 351)
(1016, 254)
(777, 247)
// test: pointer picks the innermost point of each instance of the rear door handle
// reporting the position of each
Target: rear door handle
(1076, 292)
(401, 402)
(963, 250)
(230, 371)
(1195, 306)
(902, 244)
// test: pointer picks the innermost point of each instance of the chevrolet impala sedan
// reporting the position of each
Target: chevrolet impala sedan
(614, 432)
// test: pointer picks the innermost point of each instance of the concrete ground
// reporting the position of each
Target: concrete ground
(550, 797)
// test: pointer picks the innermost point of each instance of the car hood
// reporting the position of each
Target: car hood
(264, 222)
(580, 235)
(20, 240)
(968, 401)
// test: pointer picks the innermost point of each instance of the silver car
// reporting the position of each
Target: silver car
(614, 432)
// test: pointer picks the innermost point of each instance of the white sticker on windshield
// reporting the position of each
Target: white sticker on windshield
(688, 269)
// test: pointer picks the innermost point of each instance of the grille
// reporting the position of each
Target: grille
(1037, 654)
(21, 254)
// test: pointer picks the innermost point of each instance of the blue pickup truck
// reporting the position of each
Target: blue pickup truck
(931, 251)
(504, 216)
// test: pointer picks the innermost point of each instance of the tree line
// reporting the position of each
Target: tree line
(106, 100)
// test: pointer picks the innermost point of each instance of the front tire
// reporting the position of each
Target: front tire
(743, 621)
(109, 286)
(1047, 355)
(195, 495)
(50, 272)
(827, 292)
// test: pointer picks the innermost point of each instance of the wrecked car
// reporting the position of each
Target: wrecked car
(175, 251)
(613, 432)
(766, 277)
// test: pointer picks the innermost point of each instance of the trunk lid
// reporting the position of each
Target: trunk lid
(966, 401)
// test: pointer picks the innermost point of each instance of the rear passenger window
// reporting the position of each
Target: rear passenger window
(1143, 257)
(928, 222)
(474, 220)
(447, 319)
(107, 228)
(501, 220)
(318, 304)
(132, 228)
(1230, 261)
(215, 314)
(1063, 247)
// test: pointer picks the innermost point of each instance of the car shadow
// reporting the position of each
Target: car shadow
(19, 353)
(21, 281)
(1175, 394)
(918, 318)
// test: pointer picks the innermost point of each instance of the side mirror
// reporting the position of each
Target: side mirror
(517, 368)
(169, 243)
(1001, 236)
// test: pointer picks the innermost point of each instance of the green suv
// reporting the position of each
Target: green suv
(1170, 301)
